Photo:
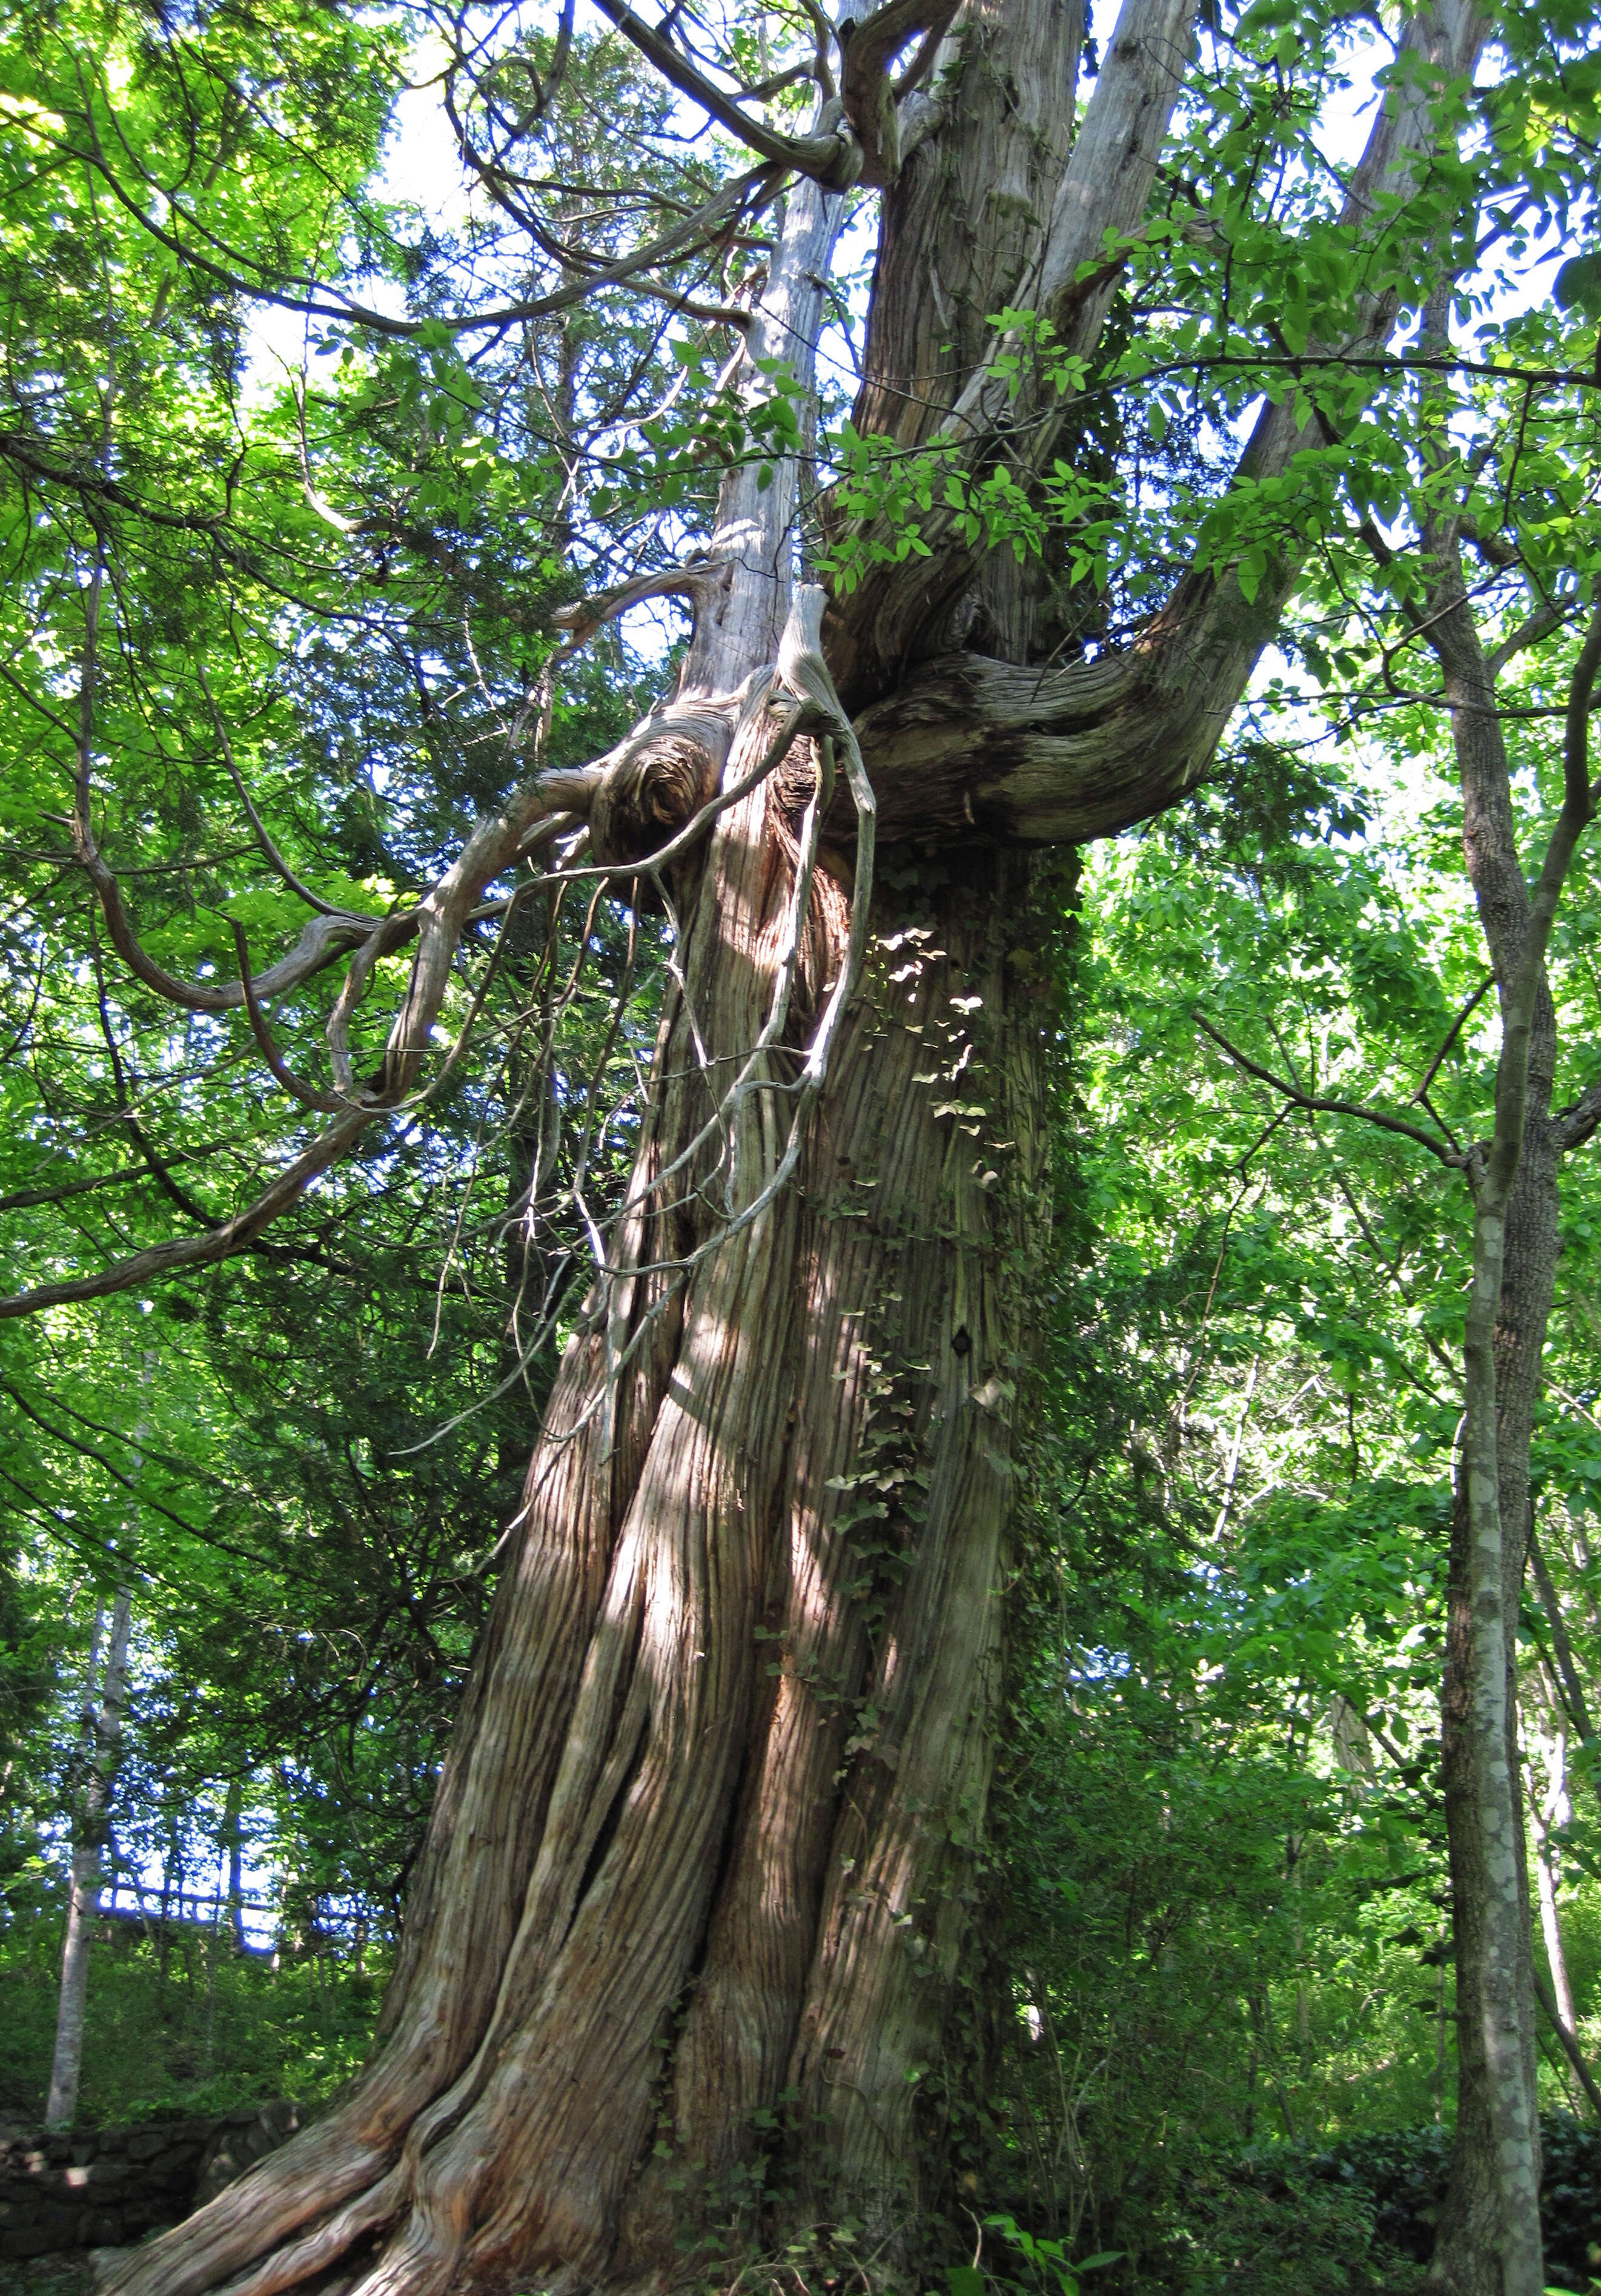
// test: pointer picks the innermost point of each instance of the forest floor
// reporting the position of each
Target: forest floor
(76, 2273)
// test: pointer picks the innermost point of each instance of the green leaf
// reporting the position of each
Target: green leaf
(1578, 285)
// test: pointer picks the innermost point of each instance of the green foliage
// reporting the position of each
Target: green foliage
(1396, 2182)
(1261, 2231)
(178, 2022)
(304, 1463)
(1231, 1628)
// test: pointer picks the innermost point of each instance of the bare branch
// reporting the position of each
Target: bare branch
(163, 1259)
(586, 616)
(438, 920)
(24, 1198)
(1572, 1127)
(1451, 1034)
(561, 788)
(264, 1036)
(1385, 1122)
(324, 938)
(801, 667)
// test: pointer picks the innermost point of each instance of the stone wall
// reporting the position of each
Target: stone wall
(108, 2188)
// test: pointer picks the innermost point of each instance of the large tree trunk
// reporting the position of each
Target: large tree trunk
(702, 1851)
(703, 1843)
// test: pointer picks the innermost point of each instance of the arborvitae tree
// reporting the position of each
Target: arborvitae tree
(690, 1927)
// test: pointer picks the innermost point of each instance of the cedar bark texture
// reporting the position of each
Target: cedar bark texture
(688, 1932)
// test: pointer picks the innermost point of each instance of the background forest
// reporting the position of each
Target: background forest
(1217, 2008)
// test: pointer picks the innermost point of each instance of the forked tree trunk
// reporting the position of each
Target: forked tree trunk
(685, 1946)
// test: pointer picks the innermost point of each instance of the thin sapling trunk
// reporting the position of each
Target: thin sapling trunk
(102, 1732)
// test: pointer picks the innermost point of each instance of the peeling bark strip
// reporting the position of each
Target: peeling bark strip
(693, 1904)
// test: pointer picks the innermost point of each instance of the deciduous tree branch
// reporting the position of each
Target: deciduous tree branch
(1572, 1127)
(1313, 1102)
(1451, 1035)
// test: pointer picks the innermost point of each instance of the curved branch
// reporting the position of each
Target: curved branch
(203, 1251)
(1055, 756)
(315, 300)
(437, 920)
(264, 1036)
(833, 156)
(872, 101)
(323, 939)
(560, 789)
(695, 581)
